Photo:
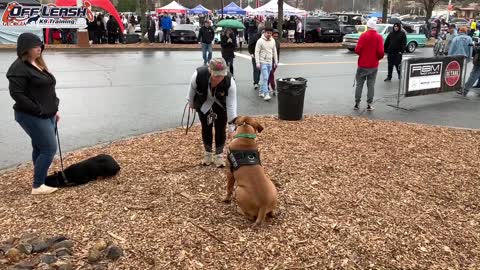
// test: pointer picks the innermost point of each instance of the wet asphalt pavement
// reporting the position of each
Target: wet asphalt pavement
(107, 95)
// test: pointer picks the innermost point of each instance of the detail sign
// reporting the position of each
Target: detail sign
(47, 16)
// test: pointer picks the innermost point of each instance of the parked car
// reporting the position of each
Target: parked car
(322, 29)
(414, 40)
(347, 29)
(184, 33)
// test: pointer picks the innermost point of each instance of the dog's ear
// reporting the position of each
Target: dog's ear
(258, 127)
(239, 120)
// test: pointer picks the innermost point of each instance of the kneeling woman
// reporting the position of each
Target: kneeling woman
(213, 94)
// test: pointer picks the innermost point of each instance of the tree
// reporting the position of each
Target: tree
(385, 11)
(143, 21)
(280, 18)
(429, 5)
(127, 5)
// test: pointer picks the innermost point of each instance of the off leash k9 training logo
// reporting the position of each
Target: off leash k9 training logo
(47, 16)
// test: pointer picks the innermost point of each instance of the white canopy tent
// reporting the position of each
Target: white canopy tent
(173, 7)
(249, 10)
(271, 8)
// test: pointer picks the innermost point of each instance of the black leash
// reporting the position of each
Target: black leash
(60, 150)
(189, 124)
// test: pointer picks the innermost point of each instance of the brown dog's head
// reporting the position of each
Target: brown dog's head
(247, 124)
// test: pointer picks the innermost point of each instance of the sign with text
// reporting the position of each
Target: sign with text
(425, 76)
(47, 16)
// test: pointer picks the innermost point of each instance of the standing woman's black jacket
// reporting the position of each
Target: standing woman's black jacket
(32, 90)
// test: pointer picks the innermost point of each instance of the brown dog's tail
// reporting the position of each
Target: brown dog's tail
(262, 213)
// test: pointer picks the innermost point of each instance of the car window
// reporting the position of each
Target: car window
(329, 24)
(380, 28)
(313, 23)
(350, 29)
(361, 28)
(390, 29)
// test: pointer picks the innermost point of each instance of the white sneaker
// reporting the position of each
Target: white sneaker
(207, 158)
(261, 94)
(219, 161)
(43, 190)
(255, 86)
(267, 97)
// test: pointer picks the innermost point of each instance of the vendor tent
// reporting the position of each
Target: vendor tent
(248, 10)
(199, 10)
(271, 8)
(232, 9)
(173, 7)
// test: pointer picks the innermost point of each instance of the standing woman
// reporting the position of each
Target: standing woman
(228, 42)
(213, 94)
(32, 87)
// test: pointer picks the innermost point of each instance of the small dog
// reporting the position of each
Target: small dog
(255, 193)
(84, 172)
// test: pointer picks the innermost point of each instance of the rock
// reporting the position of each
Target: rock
(63, 244)
(11, 241)
(100, 245)
(94, 255)
(114, 252)
(13, 255)
(63, 252)
(56, 239)
(63, 265)
(25, 248)
(29, 237)
(39, 245)
(48, 258)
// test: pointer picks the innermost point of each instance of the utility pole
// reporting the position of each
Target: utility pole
(448, 9)
(391, 7)
(353, 6)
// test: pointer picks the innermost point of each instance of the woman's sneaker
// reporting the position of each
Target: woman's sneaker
(261, 94)
(370, 107)
(43, 190)
(267, 97)
(219, 161)
(207, 158)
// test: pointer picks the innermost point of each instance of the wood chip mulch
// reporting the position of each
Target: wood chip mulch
(354, 194)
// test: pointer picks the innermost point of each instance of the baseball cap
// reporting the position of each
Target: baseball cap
(218, 67)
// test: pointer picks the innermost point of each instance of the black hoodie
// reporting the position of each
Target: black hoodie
(396, 41)
(33, 90)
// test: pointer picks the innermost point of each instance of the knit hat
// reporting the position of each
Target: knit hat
(27, 41)
(218, 67)
(372, 23)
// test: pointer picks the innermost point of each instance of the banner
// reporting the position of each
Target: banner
(47, 16)
(425, 76)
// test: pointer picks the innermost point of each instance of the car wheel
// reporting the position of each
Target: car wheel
(411, 47)
(309, 38)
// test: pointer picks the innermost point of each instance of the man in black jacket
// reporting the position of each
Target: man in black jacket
(395, 46)
(252, 42)
(205, 39)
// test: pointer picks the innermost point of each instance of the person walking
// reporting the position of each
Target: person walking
(473, 28)
(228, 43)
(370, 50)
(151, 28)
(461, 44)
(452, 33)
(206, 36)
(474, 74)
(395, 45)
(292, 27)
(299, 32)
(271, 78)
(213, 94)
(252, 43)
(167, 26)
(32, 87)
(266, 59)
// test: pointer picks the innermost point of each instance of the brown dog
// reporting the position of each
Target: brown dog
(255, 193)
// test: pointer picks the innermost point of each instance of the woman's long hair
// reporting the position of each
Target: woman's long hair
(39, 61)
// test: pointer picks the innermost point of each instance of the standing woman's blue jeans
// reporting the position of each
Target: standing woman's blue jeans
(42, 133)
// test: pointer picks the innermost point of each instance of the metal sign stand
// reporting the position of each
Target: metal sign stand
(401, 85)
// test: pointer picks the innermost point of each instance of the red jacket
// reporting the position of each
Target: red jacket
(370, 49)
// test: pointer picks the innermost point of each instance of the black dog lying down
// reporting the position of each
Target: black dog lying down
(83, 172)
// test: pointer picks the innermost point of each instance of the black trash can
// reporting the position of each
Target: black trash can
(291, 96)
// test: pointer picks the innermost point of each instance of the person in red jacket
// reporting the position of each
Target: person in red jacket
(370, 51)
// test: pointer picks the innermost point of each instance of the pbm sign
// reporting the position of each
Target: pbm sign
(426, 69)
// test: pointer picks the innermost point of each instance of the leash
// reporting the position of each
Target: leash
(189, 124)
(60, 150)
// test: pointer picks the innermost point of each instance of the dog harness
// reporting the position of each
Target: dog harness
(239, 158)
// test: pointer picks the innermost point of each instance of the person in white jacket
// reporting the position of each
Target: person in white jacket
(266, 58)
